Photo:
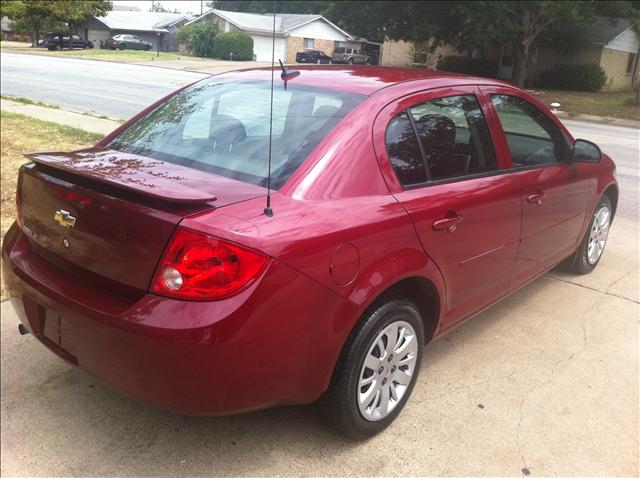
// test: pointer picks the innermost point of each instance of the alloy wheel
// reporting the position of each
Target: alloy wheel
(598, 234)
(387, 370)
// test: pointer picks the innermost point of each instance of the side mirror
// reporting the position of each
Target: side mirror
(586, 152)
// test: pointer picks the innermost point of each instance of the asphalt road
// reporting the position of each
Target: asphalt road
(118, 90)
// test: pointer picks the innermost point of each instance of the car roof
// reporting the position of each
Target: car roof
(365, 80)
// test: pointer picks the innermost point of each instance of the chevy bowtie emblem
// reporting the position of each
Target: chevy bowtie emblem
(65, 219)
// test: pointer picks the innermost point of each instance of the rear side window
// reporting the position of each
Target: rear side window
(223, 127)
(454, 140)
(533, 138)
(404, 152)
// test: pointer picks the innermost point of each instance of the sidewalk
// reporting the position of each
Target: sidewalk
(66, 117)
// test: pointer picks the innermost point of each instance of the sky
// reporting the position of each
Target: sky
(183, 6)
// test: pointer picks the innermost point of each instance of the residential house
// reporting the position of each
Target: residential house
(293, 33)
(407, 54)
(158, 28)
(613, 45)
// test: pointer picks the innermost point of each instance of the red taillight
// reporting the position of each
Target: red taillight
(197, 266)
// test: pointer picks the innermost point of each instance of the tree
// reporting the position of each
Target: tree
(73, 12)
(518, 25)
(157, 7)
(284, 6)
(199, 38)
(30, 15)
(38, 14)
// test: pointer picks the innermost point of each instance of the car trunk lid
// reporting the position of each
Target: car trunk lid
(109, 214)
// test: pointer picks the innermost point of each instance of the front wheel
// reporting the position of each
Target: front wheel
(590, 251)
(376, 371)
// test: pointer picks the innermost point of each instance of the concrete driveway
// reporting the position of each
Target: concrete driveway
(544, 383)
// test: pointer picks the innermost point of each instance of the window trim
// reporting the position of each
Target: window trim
(457, 179)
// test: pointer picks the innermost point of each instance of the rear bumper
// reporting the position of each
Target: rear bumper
(275, 343)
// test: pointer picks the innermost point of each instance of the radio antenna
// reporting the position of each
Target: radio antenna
(267, 210)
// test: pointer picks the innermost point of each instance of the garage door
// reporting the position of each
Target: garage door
(96, 35)
(262, 48)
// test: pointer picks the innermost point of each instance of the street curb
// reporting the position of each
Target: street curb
(622, 122)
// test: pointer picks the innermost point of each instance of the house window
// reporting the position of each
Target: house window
(631, 63)
(309, 43)
(227, 26)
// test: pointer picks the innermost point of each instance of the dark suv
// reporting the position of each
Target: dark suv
(312, 56)
(58, 41)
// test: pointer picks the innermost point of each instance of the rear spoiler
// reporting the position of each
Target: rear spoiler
(160, 180)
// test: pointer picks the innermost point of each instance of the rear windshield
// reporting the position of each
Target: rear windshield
(223, 127)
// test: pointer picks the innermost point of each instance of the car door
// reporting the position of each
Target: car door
(464, 203)
(554, 189)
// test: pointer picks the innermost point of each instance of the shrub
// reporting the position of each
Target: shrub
(585, 77)
(199, 38)
(468, 65)
(237, 43)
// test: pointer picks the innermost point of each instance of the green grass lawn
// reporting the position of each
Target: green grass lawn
(613, 105)
(94, 53)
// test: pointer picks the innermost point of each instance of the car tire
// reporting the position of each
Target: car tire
(350, 61)
(355, 408)
(122, 46)
(590, 251)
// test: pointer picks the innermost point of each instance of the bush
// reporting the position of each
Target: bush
(585, 77)
(199, 38)
(237, 43)
(468, 65)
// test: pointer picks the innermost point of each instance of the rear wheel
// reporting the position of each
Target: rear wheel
(376, 372)
(122, 46)
(350, 61)
(590, 251)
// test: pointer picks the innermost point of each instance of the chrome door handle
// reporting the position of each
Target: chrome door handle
(537, 197)
(448, 223)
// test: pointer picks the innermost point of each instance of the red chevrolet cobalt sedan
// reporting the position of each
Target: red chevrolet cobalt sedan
(403, 202)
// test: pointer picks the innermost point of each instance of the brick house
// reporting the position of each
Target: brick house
(294, 33)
